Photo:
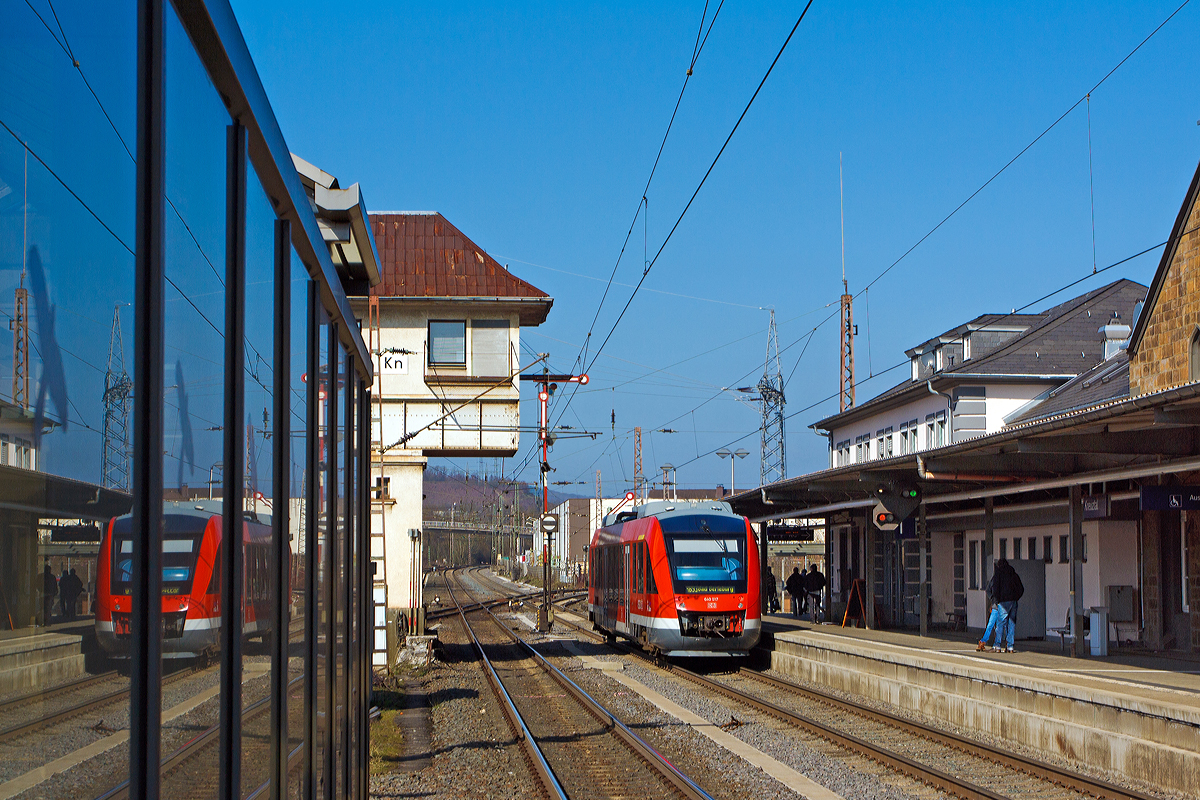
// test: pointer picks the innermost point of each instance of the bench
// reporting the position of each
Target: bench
(956, 620)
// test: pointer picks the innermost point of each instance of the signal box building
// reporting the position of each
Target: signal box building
(444, 325)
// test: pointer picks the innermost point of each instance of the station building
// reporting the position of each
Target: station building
(183, 354)
(1064, 441)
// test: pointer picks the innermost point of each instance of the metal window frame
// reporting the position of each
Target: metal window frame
(331, 492)
(429, 362)
(233, 496)
(312, 443)
(281, 550)
(255, 142)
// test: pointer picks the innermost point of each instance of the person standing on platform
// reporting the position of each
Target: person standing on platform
(794, 586)
(814, 584)
(1005, 589)
(772, 592)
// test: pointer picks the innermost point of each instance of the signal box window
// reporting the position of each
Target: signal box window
(447, 343)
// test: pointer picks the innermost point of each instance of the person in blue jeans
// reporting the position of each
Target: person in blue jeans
(1006, 589)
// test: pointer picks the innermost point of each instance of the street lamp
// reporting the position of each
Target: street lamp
(725, 453)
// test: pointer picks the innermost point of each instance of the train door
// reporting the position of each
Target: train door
(626, 576)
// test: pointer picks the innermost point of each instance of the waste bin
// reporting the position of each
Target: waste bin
(1099, 633)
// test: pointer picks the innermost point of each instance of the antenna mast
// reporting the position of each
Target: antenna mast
(773, 465)
(118, 393)
(846, 375)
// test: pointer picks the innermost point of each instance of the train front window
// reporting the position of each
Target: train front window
(178, 561)
(707, 565)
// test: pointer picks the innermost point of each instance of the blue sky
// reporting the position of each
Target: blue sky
(533, 129)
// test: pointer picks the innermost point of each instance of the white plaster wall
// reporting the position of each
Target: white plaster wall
(1112, 560)
(406, 470)
(1004, 399)
(917, 409)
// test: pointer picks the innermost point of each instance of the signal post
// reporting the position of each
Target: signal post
(548, 383)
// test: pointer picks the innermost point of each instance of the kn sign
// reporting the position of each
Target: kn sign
(393, 363)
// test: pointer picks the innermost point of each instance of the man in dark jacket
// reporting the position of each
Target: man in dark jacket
(1005, 589)
(814, 584)
(772, 592)
(795, 587)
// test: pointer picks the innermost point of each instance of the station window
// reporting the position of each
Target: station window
(490, 347)
(1016, 548)
(1032, 547)
(447, 343)
(930, 430)
(4, 448)
(1083, 550)
(974, 565)
(903, 438)
(1048, 549)
(1064, 552)
(1004, 548)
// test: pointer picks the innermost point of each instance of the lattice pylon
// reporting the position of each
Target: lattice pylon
(773, 463)
(639, 483)
(20, 329)
(118, 399)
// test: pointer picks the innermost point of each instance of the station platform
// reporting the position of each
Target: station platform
(1131, 713)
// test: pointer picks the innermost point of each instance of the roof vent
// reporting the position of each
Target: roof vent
(1115, 336)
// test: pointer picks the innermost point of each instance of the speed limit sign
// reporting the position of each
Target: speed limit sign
(549, 523)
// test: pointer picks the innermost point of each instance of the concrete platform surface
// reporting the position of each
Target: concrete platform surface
(1132, 714)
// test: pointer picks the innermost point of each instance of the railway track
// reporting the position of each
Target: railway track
(576, 747)
(952, 764)
(72, 712)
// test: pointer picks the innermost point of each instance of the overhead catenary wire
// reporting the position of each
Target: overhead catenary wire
(1036, 139)
(700, 185)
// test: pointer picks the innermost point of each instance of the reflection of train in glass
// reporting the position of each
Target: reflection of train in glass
(681, 578)
(191, 579)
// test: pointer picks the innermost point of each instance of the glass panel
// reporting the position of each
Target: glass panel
(448, 343)
(66, 289)
(324, 569)
(340, 582)
(260, 503)
(298, 517)
(193, 413)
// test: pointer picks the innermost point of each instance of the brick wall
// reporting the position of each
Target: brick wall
(1162, 358)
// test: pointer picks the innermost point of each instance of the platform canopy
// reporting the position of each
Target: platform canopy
(1124, 440)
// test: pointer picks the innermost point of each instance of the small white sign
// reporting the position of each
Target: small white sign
(393, 363)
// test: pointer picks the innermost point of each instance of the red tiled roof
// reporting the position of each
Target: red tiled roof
(423, 255)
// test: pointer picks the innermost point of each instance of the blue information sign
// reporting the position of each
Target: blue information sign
(1170, 498)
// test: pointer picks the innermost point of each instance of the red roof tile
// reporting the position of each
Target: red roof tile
(425, 256)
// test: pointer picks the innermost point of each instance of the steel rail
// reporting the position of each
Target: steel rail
(1032, 766)
(191, 747)
(516, 723)
(16, 731)
(659, 762)
(88, 705)
(78, 683)
(1075, 781)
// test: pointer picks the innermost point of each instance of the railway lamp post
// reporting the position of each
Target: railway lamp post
(725, 453)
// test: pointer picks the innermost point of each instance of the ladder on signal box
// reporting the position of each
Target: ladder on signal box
(381, 500)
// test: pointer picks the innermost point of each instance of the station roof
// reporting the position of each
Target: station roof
(426, 257)
(1061, 344)
(1120, 440)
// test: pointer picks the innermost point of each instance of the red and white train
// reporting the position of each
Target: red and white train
(191, 580)
(681, 578)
